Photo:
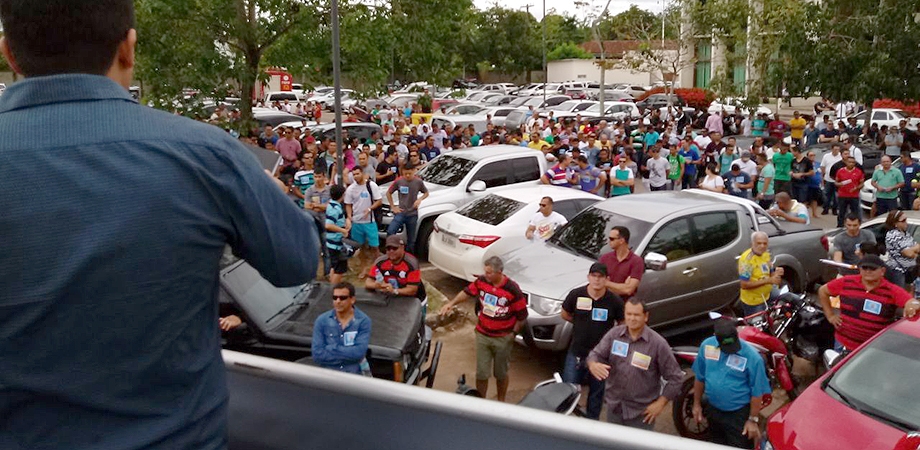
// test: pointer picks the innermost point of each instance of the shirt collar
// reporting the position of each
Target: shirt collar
(62, 88)
(643, 336)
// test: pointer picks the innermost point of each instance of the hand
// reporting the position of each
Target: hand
(911, 308)
(779, 271)
(698, 412)
(835, 319)
(600, 371)
(230, 322)
(528, 234)
(445, 309)
(751, 430)
(653, 410)
(416, 203)
(396, 209)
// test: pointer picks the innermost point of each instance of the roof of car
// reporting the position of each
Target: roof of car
(486, 151)
(908, 326)
(653, 206)
(326, 126)
(534, 193)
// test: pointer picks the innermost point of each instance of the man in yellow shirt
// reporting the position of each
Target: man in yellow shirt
(757, 275)
(536, 143)
(797, 128)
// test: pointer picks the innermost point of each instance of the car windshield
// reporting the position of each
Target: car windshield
(518, 101)
(260, 299)
(596, 108)
(491, 209)
(565, 106)
(888, 395)
(534, 101)
(446, 170)
(900, 114)
(586, 234)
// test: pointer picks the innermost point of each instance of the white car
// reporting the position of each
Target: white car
(466, 109)
(494, 225)
(499, 113)
(867, 194)
(572, 106)
(327, 99)
(728, 105)
(630, 89)
(529, 90)
(616, 109)
(887, 116)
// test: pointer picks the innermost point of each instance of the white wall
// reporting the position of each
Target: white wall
(586, 70)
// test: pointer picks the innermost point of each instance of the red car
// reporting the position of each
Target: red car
(868, 400)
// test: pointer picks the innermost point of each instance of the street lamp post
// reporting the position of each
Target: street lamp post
(337, 93)
(545, 73)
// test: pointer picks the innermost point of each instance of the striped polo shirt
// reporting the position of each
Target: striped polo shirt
(865, 313)
(500, 307)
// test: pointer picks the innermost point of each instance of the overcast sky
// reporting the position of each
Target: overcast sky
(569, 6)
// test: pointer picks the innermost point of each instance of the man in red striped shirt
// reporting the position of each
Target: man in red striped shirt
(502, 311)
(868, 303)
(560, 174)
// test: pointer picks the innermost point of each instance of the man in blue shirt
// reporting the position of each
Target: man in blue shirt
(691, 154)
(341, 335)
(337, 227)
(109, 311)
(734, 378)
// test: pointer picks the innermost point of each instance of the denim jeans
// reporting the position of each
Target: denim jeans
(749, 310)
(847, 205)
(830, 196)
(800, 192)
(907, 200)
(410, 222)
(576, 371)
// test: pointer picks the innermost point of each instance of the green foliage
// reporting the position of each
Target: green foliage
(568, 50)
(510, 40)
(639, 24)
(427, 34)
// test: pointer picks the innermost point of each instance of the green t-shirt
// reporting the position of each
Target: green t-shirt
(767, 172)
(624, 175)
(783, 165)
(893, 177)
(638, 139)
(676, 162)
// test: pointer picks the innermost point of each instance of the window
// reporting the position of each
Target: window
(673, 240)
(525, 169)
(491, 209)
(446, 170)
(879, 115)
(493, 174)
(715, 230)
(703, 64)
(567, 208)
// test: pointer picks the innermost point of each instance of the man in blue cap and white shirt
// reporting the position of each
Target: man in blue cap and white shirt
(734, 379)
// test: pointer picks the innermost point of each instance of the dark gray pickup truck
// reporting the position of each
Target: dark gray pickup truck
(690, 240)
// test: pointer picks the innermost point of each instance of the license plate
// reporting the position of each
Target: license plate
(448, 241)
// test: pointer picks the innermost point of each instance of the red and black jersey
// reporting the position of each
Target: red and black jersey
(403, 273)
(501, 307)
(865, 313)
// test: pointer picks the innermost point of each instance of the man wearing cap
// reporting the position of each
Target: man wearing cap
(502, 312)
(406, 210)
(634, 360)
(396, 273)
(593, 311)
(868, 303)
(733, 378)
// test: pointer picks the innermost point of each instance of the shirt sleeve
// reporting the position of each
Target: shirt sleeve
(472, 289)
(321, 351)
(699, 364)
(745, 269)
(636, 268)
(375, 192)
(901, 296)
(601, 352)
(835, 286)
(669, 369)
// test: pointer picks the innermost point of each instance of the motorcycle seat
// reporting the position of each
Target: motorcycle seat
(555, 397)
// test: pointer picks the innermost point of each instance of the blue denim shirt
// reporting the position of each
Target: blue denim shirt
(337, 348)
(114, 218)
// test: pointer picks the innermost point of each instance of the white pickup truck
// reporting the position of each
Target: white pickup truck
(458, 177)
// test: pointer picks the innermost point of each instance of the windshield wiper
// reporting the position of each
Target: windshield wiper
(843, 398)
(890, 420)
(293, 304)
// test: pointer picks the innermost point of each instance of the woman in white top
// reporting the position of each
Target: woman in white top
(712, 181)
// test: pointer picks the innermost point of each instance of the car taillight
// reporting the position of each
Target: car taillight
(824, 243)
(479, 241)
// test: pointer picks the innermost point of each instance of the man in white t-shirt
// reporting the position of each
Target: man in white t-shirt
(361, 199)
(747, 165)
(544, 222)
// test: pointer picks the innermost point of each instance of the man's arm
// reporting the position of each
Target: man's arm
(627, 287)
(824, 296)
(321, 350)
(598, 360)
(461, 296)
(352, 354)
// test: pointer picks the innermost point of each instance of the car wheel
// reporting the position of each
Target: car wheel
(421, 239)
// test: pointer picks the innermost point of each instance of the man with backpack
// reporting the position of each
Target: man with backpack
(362, 200)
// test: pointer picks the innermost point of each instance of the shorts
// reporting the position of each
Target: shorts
(338, 262)
(365, 233)
(815, 194)
(493, 353)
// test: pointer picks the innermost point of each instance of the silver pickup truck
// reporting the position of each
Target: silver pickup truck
(690, 240)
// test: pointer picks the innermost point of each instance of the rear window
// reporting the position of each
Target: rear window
(491, 209)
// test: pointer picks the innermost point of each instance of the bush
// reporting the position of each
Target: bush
(698, 98)
(911, 108)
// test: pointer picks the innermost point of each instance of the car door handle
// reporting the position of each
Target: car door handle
(690, 271)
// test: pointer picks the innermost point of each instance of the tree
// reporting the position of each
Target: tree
(427, 33)
(510, 40)
(568, 50)
(639, 24)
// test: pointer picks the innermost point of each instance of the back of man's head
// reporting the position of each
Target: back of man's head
(48, 37)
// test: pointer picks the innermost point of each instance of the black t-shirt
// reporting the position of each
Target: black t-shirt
(387, 171)
(802, 166)
(591, 319)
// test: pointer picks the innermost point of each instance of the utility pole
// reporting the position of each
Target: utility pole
(600, 43)
(545, 74)
(337, 93)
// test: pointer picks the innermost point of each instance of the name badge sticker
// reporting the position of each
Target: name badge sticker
(404, 190)
(349, 338)
(619, 348)
(872, 307)
(713, 353)
(736, 362)
(583, 304)
(641, 361)
(599, 315)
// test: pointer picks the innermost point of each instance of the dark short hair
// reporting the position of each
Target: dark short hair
(548, 199)
(345, 285)
(50, 37)
(637, 301)
(337, 191)
(853, 216)
(624, 232)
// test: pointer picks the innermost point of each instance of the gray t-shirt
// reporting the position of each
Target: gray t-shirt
(408, 193)
(846, 244)
(658, 171)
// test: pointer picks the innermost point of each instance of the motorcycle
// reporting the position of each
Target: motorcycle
(552, 395)
(789, 326)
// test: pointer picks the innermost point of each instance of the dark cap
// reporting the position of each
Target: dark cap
(395, 241)
(727, 336)
(870, 260)
(600, 268)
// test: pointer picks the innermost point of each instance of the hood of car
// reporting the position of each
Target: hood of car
(434, 191)
(546, 270)
(815, 420)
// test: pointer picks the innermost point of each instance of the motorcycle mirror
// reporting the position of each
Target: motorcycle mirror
(784, 290)
(714, 315)
(557, 377)
(830, 358)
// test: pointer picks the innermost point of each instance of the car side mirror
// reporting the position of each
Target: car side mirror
(477, 186)
(656, 261)
(831, 357)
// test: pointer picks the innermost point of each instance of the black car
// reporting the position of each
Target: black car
(360, 130)
(656, 101)
(278, 323)
(273, 118)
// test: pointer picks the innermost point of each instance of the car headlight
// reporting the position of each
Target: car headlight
(545, 306)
